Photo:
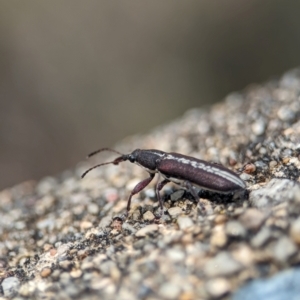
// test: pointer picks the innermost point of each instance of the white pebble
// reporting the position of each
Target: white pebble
(10, 286)
(184, 222)
(218, 287)
(169, 291)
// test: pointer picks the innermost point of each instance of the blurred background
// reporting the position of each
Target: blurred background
(78, 75)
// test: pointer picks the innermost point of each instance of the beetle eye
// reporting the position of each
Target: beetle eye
(131, 158)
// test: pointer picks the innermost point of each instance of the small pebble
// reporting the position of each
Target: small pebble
(243, 254)
(187, 295)
(65, 264)
(245, 176)
(286, 160)
(252, 219)
(46, 272)
(261, 237)
(272, 164)
(219, 237)
(107, 267)
(46, 185)
(115, 232)
(220, 219)
(87, 265)
(218, 287)
(177, 195)
(93, 209)
(84, 225)
(105, 222)
(20, 225)
(175, 255)
(174, 211)
(235, 229)
(62, 249)
(295, 231)
(81, 254)
(287, 152)
(131, 184)
(249, 168)
(47, 247)
(139, 244)
(258, 128)
(148, 216)
(100, 283)
(26, 290)
(285, 113)
(53, 252)
(146, 230)
(150, 193)
(47, 223)
(65, 277)
(222, 265)
(284, 248)
(169, 290)
(184, 222)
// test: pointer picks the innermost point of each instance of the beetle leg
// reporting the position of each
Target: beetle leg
(140, 186)
(159, 186)
(191, 189)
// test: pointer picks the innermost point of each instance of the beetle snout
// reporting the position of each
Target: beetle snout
(131, 158)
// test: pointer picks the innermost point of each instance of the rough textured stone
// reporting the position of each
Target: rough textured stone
(285, 285)
(66, 237)
(276, 191)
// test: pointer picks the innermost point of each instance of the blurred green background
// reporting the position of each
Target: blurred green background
(78, 75)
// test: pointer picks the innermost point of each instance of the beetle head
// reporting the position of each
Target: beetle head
(144, 158)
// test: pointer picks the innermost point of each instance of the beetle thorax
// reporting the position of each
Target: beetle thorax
(148, 159)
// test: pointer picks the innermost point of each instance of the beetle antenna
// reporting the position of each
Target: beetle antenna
(115, 162)
(104, 149)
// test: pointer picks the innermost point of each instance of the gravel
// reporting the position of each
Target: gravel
(68, 238)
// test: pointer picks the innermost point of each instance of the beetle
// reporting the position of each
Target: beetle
(183, 170)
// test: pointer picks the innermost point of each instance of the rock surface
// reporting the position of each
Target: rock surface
(65, 238)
